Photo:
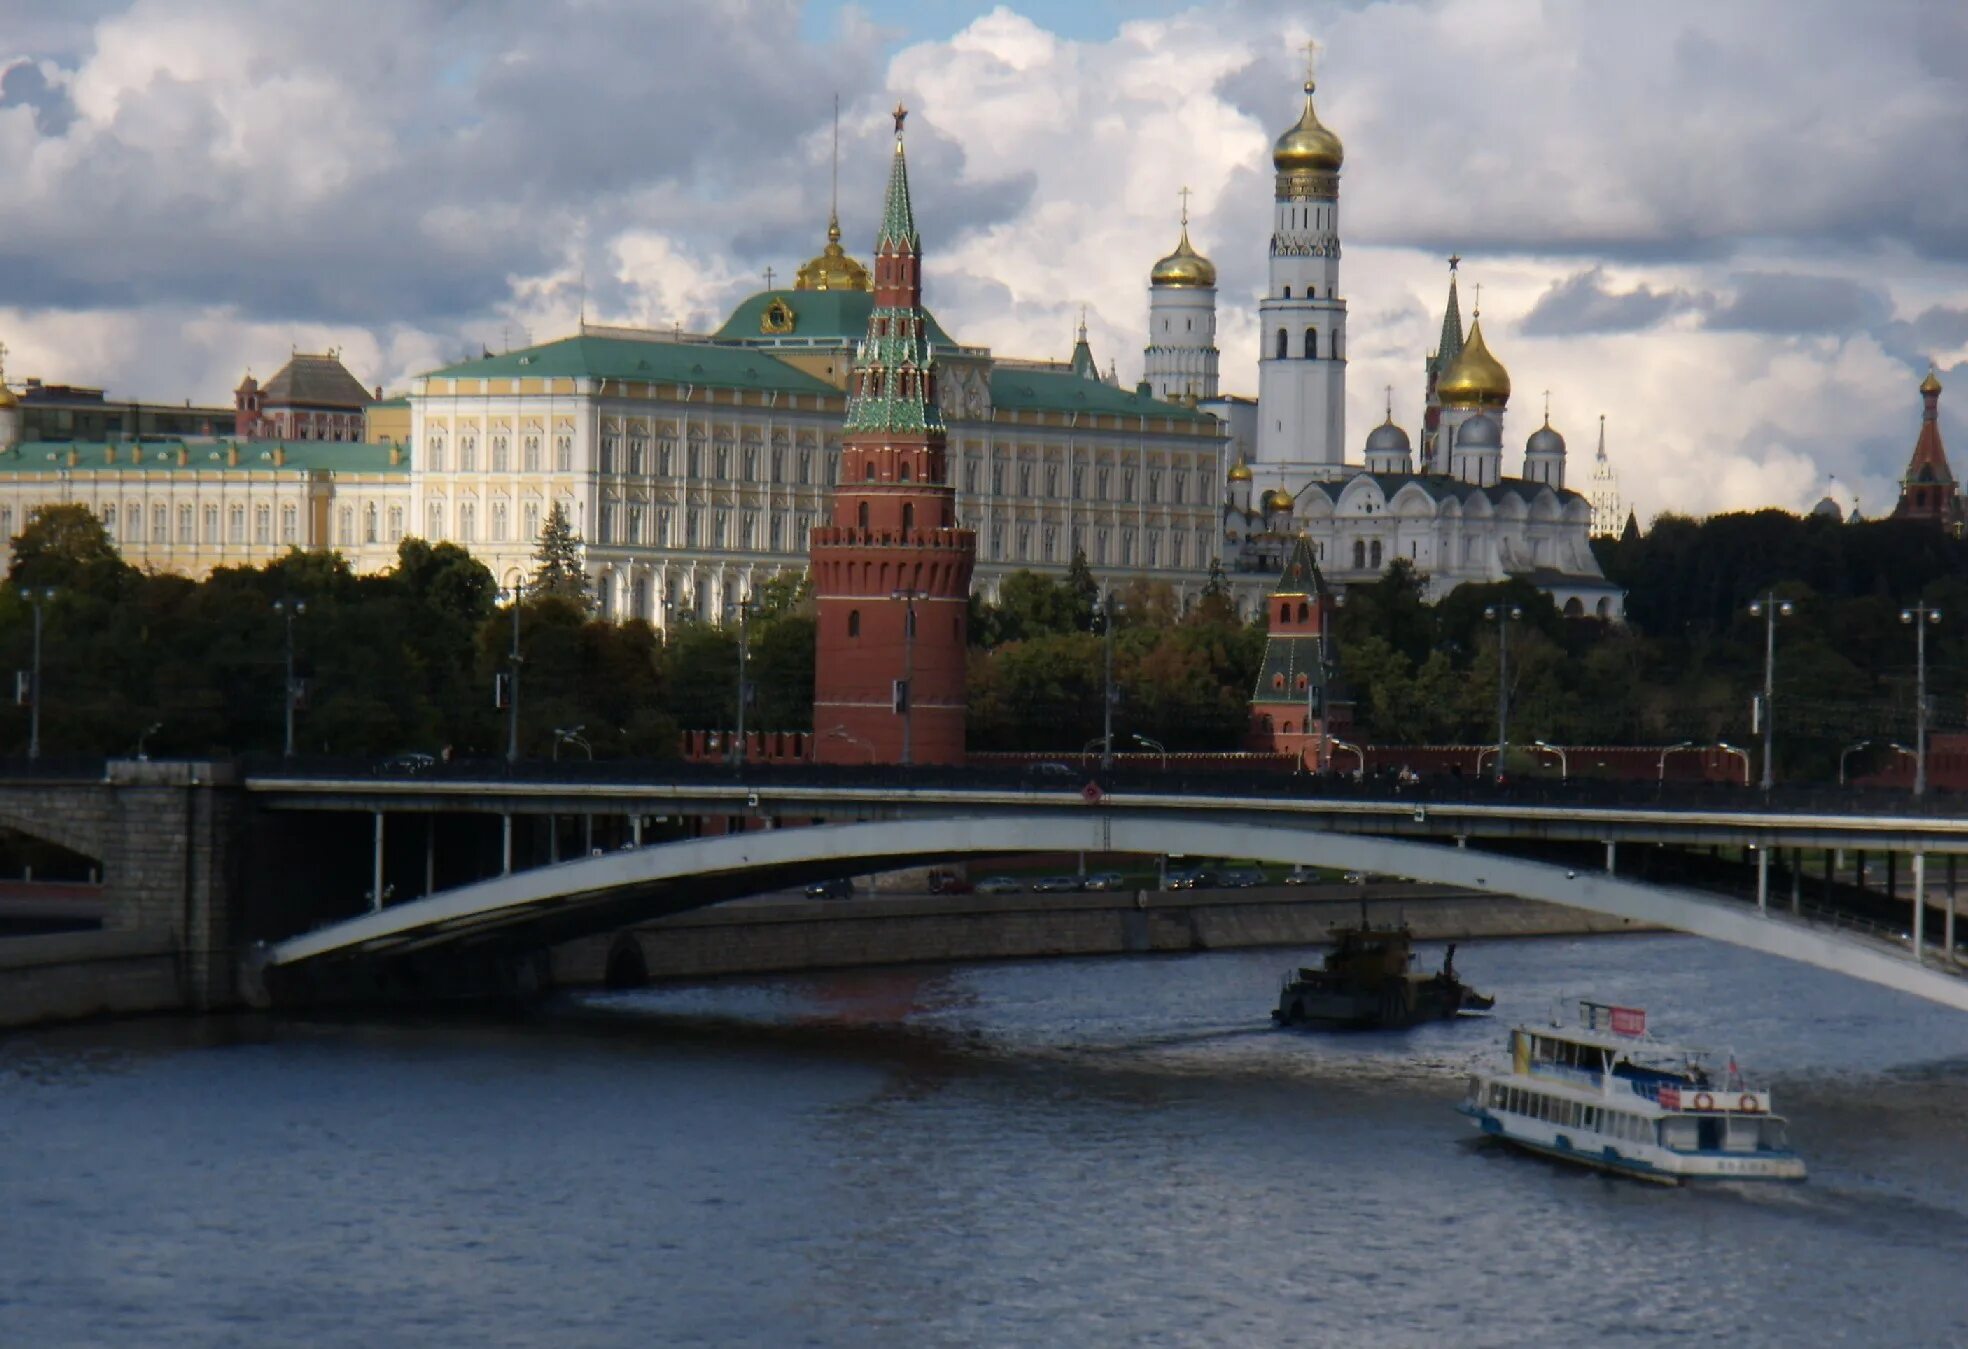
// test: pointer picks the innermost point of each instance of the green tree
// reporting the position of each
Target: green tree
(1082, 591)
(66, 546)
(557, 568)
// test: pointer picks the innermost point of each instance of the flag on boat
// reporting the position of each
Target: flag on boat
(1670, 1098)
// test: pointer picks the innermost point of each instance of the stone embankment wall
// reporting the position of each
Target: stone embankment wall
(761, 938)
(70, 975)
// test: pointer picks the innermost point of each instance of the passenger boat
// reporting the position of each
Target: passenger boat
(1605, 1094)
(1367, 981)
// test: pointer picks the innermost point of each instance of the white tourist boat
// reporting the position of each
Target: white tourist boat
(1605, 1094)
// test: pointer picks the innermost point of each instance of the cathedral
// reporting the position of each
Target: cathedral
(1447, 504)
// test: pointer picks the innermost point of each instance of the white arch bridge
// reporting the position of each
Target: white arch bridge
(528, 910)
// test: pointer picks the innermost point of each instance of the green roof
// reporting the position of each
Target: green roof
(819, 317)
(627, 358)
(1015, 389)
(400, 401)
(161, 456)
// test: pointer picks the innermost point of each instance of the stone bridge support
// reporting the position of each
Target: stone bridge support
(167, 839)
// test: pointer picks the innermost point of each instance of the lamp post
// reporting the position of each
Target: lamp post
(1361, 756)
(738, 748)
(1769, 608)
(513, 593)
(1742, 754)
(147, 733)
(1108, 606)
(1155, 745)
(38, 596)
(1847, 753)
(1677, 745)
(907, 692)
(1921, 617)
(1564, 764)
(1502, 615)
(290, 610)
(571, 735)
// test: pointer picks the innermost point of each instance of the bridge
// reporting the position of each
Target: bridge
(1595, 846)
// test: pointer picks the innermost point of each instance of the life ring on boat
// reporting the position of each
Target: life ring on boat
(1703, 1101)
(1749, 1105)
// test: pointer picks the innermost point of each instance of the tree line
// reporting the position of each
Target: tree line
(406, 659)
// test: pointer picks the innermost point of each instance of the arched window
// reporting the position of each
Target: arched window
(853, 622)
(1376, 553)
(908, 516)
(1304, 611)
(904, 471)
(1359, 555)
(1311, 344)
(862, 515)
(1287, 292)
(1283, 337)
(871, 470)
(1284, 613)
(1284, 728)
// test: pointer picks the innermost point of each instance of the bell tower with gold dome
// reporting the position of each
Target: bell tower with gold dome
(1181, 356)
(1301, 371)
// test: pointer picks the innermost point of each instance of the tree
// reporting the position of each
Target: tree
(1082, 590)
(67, 547)
(557, 568)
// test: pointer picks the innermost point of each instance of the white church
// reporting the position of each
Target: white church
(1450, 508)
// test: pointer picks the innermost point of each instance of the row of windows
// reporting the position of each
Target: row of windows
(500, 460)
(373, 524)
(1568, 1114)
(132, 527)
(773, 531)
(1310, 351)
(1103, 546)
(499, 519)
(637, 461)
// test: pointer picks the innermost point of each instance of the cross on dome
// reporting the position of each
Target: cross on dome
(768, 278)
(1311, 64)
(1184, 194)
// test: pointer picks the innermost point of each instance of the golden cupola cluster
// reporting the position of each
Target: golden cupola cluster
(1240, 472)
(1184, 267)
(832, 269)
(1476, 379)
(1309, 146)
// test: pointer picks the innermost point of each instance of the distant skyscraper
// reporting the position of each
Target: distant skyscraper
(1608, 514)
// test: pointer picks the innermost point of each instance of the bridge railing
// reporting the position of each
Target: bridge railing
(1054, 780)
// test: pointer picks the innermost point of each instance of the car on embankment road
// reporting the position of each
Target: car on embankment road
(838, 887)
(998, 885)
(1055, 885)
(1106, 880)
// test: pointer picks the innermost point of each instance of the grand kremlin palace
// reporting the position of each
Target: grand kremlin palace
(692, 466)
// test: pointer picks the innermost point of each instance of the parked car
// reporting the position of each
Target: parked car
(998, 885)
(1193, 878)
(1301, 876)
(839, 887)
(400, 765)
(1240, 878)
(1106, 880)
(1055, 885)
(1052, 772)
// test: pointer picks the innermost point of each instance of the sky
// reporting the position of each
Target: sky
(1738, 232)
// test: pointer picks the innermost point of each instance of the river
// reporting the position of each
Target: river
(1086, 1152)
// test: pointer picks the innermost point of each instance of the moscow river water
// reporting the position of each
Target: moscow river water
(1088, 1152)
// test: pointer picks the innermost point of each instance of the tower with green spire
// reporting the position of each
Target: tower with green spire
(1293, 708)
(891, 569)
(1446, 350)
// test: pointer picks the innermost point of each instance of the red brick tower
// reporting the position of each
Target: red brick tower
(891, 571)
(1928, 491)
(1293, 708)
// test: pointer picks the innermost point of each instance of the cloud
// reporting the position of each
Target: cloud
(1789, 302)
(1582, 303)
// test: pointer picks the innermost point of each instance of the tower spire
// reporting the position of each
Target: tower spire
(898, 228)
(834, 196)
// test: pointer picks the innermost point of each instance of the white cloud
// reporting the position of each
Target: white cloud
(201, 184)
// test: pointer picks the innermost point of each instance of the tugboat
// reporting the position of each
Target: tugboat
(1605, 1094)
(1368, 982)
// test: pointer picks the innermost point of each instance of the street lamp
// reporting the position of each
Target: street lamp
(1676, 746)
(1502, 615)
(37, 596)
(1769, 608)
(1742, 754)
(1361, 756)
(1109, 607)
(1847, 753)
(290, 610)
(905, 698)
(571, 735)
(1155, 745)
(146, 734)
(1564, 764)
(513, 594)
(1921, 617)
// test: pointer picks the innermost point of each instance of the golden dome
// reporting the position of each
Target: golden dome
(1308, 145)
(833, 269)
(1240, 472)
(1931, 384)
(1184, 267)
(1277, 499)
(1477, 379)
(7, 399)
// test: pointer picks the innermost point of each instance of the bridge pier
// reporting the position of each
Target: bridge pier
(1762, 880)
(505, 845)
(1919, 902)
(376, 869)
(1612, 857)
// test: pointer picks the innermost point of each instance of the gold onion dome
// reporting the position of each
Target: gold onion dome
(833, 269)
(1477, 379)
(7, 399)
(1931, 384)
(1277, 499)
(1184, 267)
(1308, 145)
(1240, 472)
